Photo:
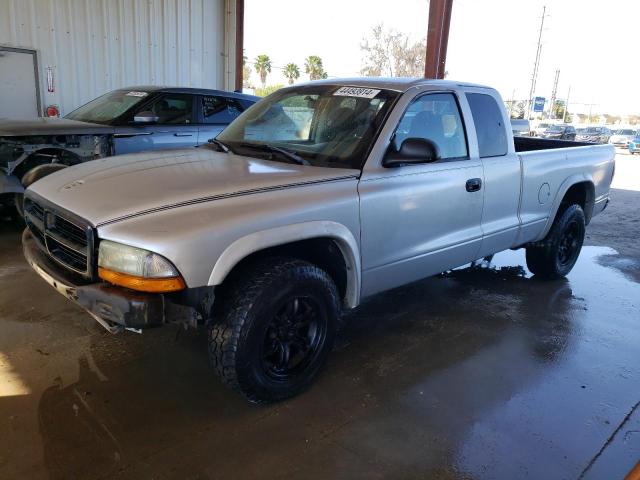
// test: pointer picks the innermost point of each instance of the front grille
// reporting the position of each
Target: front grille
(64, 240)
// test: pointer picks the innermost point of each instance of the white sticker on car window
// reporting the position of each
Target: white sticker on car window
(356, 92)
(137, 94)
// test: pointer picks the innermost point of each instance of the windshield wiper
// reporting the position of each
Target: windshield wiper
(272, 148)
(220, 145)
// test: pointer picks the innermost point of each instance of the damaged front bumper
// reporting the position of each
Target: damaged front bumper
(115, 308)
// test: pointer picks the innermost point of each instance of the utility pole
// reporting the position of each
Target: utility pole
(554, 92)
(536, 64)
(566, 106)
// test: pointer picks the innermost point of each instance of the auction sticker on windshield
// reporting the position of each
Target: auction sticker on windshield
(356, 92)
(137, 94)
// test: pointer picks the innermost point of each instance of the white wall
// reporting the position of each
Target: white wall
(95, 46)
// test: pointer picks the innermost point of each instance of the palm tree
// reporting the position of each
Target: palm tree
(262, 65)
(313, 66)
(292, 72)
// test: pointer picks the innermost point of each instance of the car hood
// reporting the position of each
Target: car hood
(622, 137)
(106, 190)
(48, 126)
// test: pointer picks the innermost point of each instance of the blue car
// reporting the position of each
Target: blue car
(634, 145)
(127, 120)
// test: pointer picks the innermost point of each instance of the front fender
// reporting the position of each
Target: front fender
(273, 237)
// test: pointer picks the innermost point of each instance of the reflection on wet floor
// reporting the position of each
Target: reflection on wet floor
(478, 373)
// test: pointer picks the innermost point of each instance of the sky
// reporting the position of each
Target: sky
(492, 42)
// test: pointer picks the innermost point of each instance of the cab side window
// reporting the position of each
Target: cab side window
(490, 129)
(219, 109)
(173, 109)
(435, 117)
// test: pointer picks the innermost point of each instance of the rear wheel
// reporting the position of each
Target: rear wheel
(276, 331)
(556, 255)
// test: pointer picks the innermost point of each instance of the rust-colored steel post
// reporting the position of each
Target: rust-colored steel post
(239, 42)
(437, 38)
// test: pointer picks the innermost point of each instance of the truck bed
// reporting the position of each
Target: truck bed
(548, 167)
(527, 144)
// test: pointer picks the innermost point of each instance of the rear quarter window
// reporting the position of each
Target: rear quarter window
(490, 128)
(218, 109)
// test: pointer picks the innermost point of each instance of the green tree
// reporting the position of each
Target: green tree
(263, 92)
(558, 109)
(262, 64)
(313, 66)
(292, 72)
(246, 73)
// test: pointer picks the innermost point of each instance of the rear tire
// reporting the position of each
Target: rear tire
(277, 329)
(556, 255)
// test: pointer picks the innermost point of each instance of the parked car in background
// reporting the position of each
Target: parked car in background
(622, 137)
(266, 236)
(127, 120)
(560, 132)
(539, 129)
(520, 127)
(634, 145)
(594, 135)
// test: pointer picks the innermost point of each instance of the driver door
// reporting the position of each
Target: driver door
(419, 220)
(175, 128)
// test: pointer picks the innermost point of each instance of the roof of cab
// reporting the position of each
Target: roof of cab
(193, 91)
(400, 84)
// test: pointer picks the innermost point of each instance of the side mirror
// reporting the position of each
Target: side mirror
(145, 117)
(413, 151)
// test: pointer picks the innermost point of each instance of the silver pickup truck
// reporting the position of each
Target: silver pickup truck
(316, 197)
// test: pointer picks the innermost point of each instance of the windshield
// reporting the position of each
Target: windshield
(593, 130)
(625, 132)
(106, 108)
(326, 125)
(555, 128)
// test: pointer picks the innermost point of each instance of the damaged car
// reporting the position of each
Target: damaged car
(122, 121)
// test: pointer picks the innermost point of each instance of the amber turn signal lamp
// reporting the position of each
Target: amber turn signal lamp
(142, 284)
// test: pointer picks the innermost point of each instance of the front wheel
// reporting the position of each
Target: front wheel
(276, 331)
(556, 255)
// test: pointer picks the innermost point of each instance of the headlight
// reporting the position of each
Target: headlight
(137, 268)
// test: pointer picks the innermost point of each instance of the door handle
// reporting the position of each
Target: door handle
(182, 134)
(474, 184)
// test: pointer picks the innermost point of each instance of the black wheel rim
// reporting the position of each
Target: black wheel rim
(293, 337)
(569, 244)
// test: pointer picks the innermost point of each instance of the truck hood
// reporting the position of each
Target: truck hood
(106, 190)
(48, 126)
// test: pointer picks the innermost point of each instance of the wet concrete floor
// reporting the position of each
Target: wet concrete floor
(479, 373)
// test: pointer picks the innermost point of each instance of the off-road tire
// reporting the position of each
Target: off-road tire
(236, 341)
(549, 258)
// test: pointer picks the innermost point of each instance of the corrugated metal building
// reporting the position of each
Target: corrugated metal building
(88, 47)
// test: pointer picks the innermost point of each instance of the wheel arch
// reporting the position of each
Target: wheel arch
(310, 240)
(578, 189)
(66, 157)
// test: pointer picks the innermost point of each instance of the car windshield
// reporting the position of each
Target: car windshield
(625, 132)
(555, 128)
(106, 108)
(593, 130)
(324, 125)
